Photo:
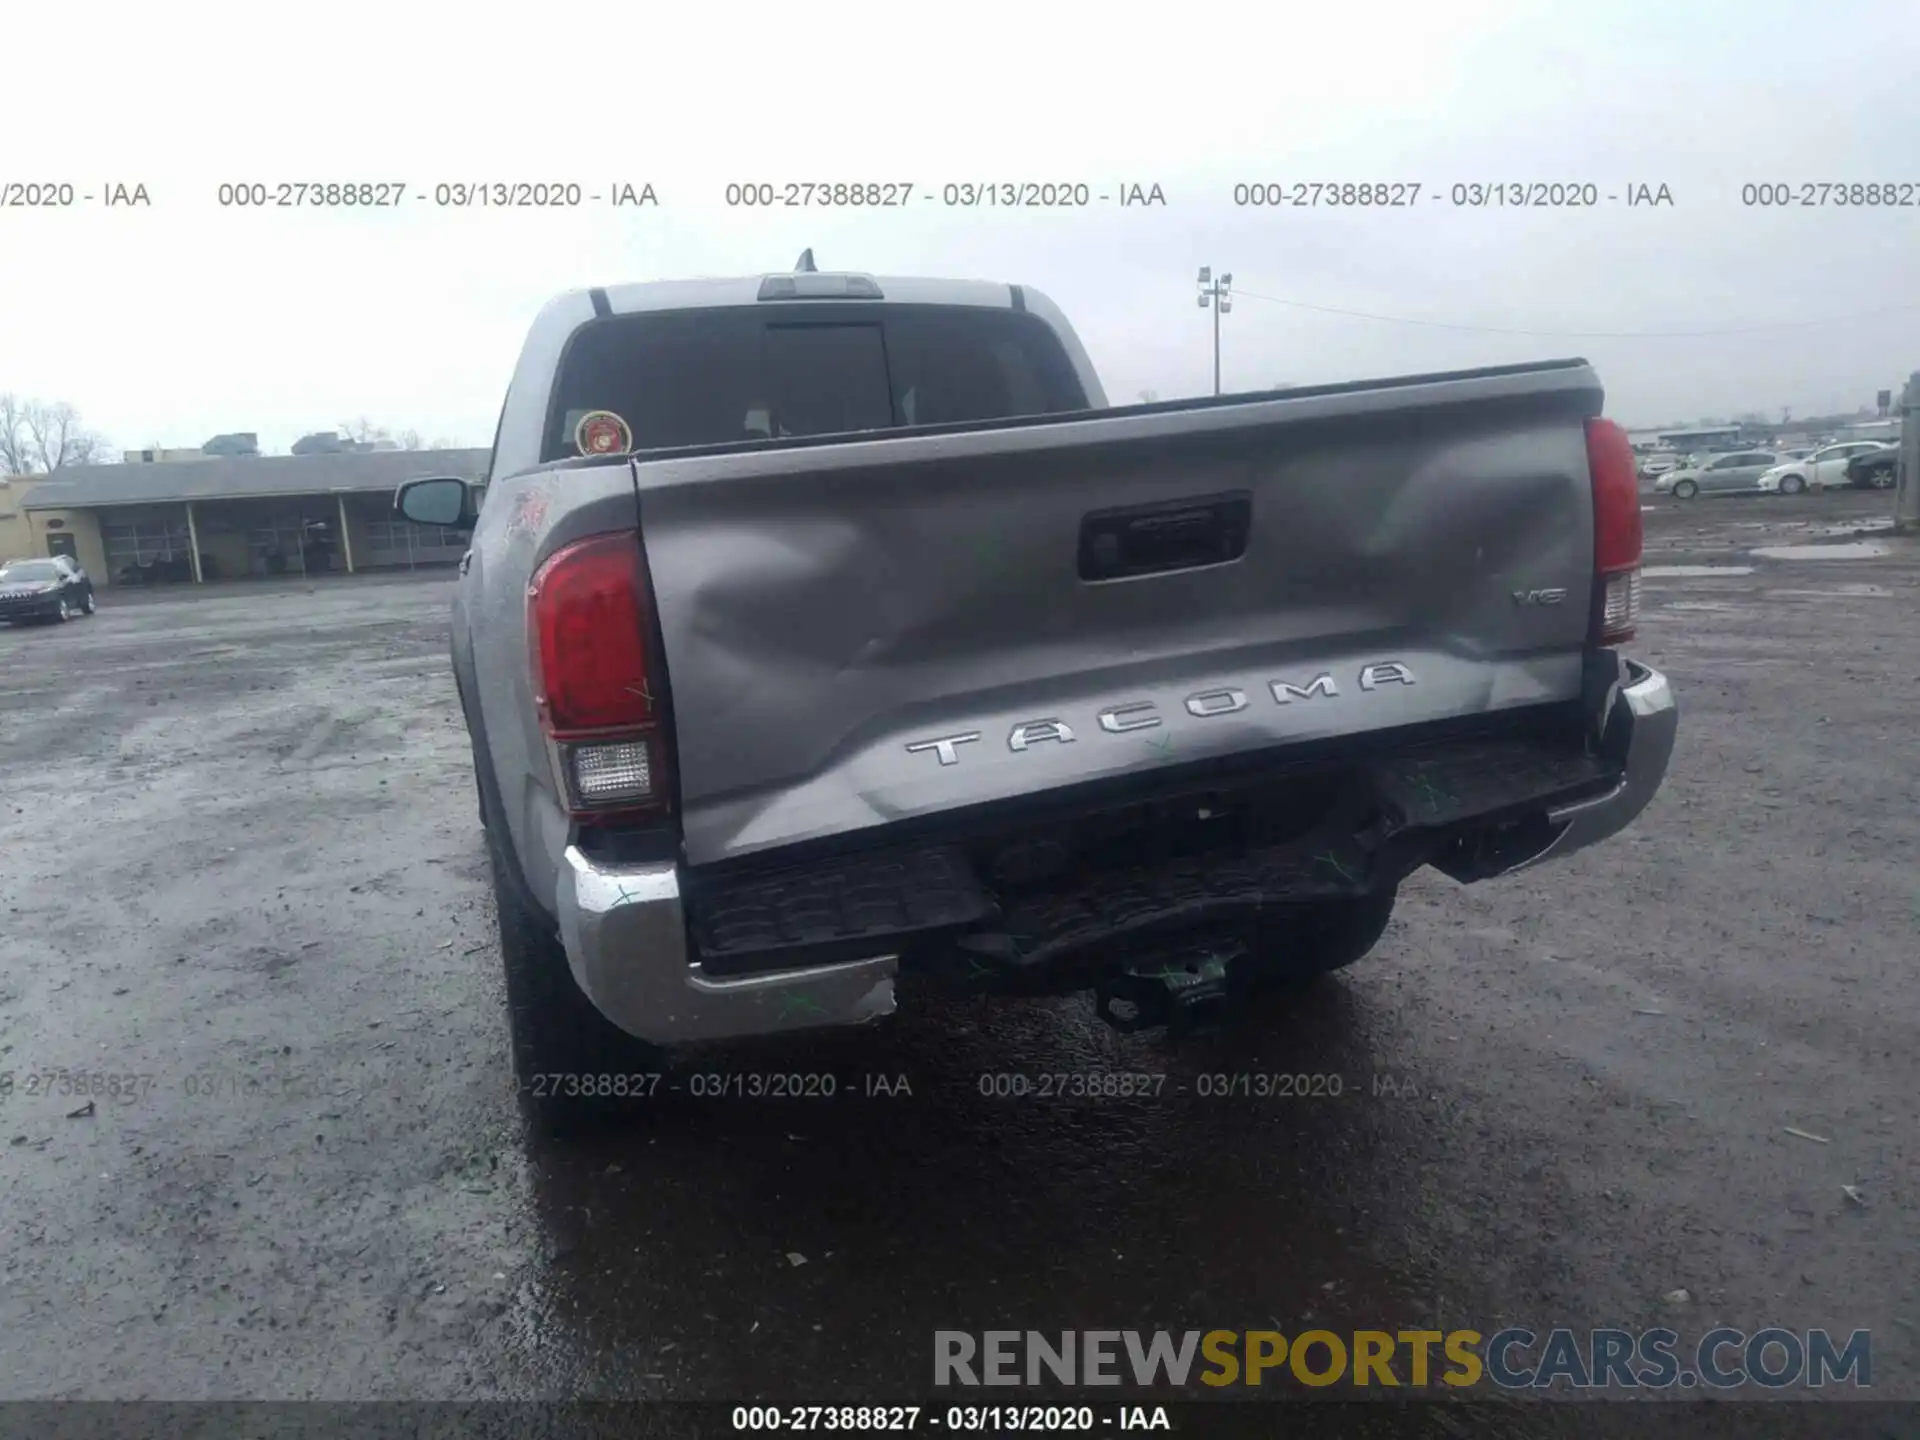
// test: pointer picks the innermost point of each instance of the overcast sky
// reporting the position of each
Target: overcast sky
(175, 322)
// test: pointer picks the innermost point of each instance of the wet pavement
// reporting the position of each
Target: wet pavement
(242, 898)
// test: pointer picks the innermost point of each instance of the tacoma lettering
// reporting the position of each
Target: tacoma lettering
(1025, 735)
(1284, 694)
(1122, 718)
(1144, 714)
(1216, 702)
(945, 747)
(1392, 671)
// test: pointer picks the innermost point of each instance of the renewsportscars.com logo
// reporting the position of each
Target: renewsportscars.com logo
(1510, 1359)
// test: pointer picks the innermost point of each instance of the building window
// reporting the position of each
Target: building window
(401, 542)
(290, 545)
(144, 544)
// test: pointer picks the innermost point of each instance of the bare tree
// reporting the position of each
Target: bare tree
(13, 459)
(37, 438)
(364, 432)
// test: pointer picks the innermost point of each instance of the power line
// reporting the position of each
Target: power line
(1580, 334)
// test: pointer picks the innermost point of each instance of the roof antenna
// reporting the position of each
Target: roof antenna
(804, 265)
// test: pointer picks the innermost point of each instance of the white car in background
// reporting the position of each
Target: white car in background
(1825, 468)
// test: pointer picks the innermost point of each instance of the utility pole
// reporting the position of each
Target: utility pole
(1220, 292)
(1906, 499)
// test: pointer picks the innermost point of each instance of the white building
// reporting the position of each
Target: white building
(1873, 430)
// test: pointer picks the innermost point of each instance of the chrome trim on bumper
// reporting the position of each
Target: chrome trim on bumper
(1640, 729)
(625, 932)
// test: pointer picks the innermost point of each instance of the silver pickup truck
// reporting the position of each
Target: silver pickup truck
(822, 633)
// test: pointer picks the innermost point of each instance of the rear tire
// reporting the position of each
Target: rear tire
(89, 605)
(1314, 940)
(1685, 490)
(473, 744)
(560, 1041)
(1881, 479)
(562, 1045)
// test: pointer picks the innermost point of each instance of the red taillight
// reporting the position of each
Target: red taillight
(589, 628)
(1617, 532)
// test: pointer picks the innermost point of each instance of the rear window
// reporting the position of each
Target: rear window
(707, 377)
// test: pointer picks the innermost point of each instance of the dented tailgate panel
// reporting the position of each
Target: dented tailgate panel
(862, 632)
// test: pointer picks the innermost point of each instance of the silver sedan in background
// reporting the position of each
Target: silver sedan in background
(1736, 472)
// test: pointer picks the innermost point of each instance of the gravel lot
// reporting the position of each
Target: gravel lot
(238, 859)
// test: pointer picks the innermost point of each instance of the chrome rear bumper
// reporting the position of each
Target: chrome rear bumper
(625, 927)
(625, 931)
(1641, 724)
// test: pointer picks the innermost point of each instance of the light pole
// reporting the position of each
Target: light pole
(1220, 292)
(1906, 497)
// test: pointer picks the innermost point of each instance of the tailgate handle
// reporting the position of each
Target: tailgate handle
(1165, 536)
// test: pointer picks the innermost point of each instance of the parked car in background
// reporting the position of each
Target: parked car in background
(1736, 472)
(52, 589)
(1823, 468)
(1875, 469)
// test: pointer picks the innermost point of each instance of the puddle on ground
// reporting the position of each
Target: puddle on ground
(1691, 572)
(1856, 550)
(1838, 592)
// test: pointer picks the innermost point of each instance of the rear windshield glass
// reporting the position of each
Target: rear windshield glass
(707, 377)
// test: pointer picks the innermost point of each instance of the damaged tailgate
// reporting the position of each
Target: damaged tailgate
(864, 631)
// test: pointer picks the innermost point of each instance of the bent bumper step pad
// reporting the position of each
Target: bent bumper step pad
(858, 907)
(841, 910)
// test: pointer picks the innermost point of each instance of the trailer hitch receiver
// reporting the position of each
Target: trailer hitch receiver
(1183, 991)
